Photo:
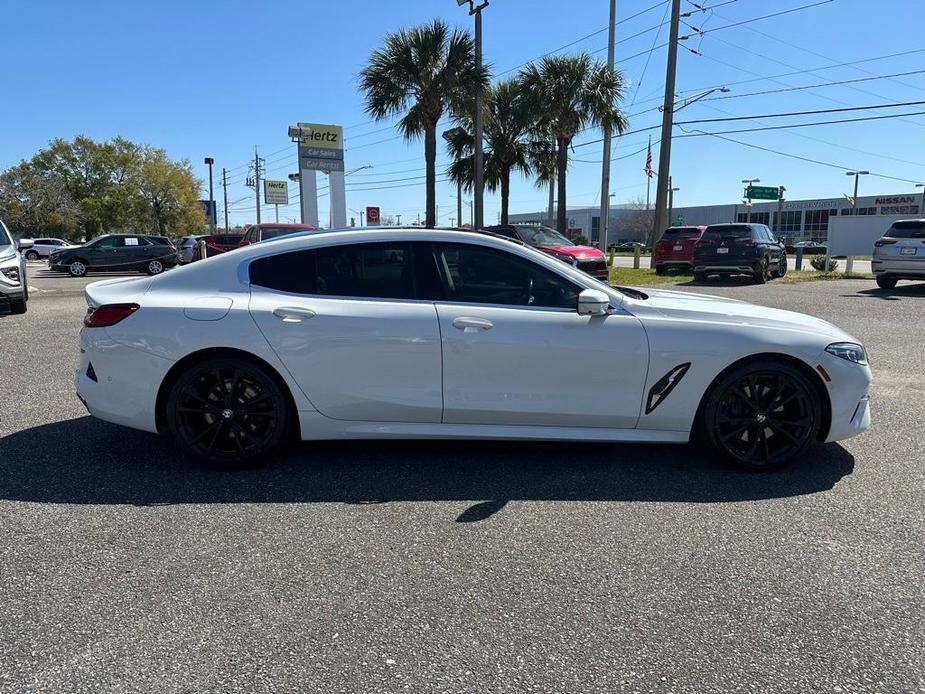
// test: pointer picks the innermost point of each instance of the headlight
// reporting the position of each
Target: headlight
(565, 258)
(11, 274)
(849, 351)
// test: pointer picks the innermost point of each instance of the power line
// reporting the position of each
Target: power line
(788, 114)
(812, 86)
(801, 125)
(767, 16)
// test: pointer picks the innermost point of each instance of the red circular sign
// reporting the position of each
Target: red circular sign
(372, 215)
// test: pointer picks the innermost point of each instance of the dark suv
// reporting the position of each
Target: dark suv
(739, 249)
(116, 252)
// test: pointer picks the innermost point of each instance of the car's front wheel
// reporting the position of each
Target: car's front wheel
(762, 415)
(227, 412)
(32, 255)
(885, 282)
(77, 268)
(154, 267)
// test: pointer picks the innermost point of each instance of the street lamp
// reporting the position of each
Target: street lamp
(671, 192)
(209, 161)
(857, 175)
(478, 178)
(693, 99)
(922, 208)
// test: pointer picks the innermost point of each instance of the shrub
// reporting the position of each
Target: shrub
(818, 262)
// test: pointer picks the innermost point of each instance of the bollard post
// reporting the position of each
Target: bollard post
(635, 257)
(799, 259)
(610, 255)
(849, 265)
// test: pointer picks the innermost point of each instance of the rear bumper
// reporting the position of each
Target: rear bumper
(901, 269)
(710, 266)
(127, 380)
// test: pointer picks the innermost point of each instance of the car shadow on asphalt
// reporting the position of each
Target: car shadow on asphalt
(87, 461)
(731, 281)
(897, 293)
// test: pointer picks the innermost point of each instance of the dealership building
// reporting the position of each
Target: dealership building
(799, 219)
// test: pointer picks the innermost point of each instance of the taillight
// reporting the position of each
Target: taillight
(745, 242)
(109, 314)
(173, 248)
(884, 242)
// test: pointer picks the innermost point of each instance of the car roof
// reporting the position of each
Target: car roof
(280, 225)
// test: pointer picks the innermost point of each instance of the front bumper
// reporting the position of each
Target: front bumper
(849, 396)
(126, 384)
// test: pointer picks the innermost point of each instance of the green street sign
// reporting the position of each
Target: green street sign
(762, 192)
(679, 220)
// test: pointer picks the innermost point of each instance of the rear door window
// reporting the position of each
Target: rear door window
(906, 230)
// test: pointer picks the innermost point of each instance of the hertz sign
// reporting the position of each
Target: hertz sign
(321, 146)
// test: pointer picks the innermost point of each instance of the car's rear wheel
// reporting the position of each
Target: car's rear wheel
(154, 267)
(660, 269)
(885, 282)
(227, 412)
(32, 255)
(762, 415)
(77, 268)
(763, 272)
(700, 276)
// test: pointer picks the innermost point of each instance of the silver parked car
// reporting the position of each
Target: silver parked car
(44, 247)
(900, 253)
(186, 248)
(14, 292)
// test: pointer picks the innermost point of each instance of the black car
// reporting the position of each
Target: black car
(739, 249)
(116, 252)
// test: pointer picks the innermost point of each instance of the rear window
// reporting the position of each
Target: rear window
(911, 229)
(727, 232)
(267, 233)
(682, 233)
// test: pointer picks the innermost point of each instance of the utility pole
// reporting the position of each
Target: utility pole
(478, 179)
(257, 181)
(780, 210)
(459, 202)
(671, 191)
(398, 217)
(209, 161)
(225, 188)
(605, 165)
(452, 220)
(857, 175)
(748, 198)
(664, 149)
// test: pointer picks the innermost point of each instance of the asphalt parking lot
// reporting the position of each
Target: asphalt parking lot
(461, 567)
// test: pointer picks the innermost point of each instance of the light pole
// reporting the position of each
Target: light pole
(748, 204)
(209, 161)
(857, 175)
(478, 178)
(671, 192)
(605, 161)
(922, 208)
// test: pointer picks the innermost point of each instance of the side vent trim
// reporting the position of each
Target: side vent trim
(665, 385)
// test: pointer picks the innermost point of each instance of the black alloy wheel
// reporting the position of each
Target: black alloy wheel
(227, 412)
(763, 273)
(762, 416)
(783, 267)
(885, 282)
(77, 268)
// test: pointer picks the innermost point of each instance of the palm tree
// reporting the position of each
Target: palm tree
(420, 72)
(507, 145)
(569, 94)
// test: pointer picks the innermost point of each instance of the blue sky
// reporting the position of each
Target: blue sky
(211, 78)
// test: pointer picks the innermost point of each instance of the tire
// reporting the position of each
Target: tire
(885, 282)
(77, 268)
(700, 276)
(659, 270)
(761, 277)
(32, 255)
(227, 413)
(154, 267)
(782, 271)
(762, 415)
(18, 306)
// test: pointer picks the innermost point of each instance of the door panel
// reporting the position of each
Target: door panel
(541, 367)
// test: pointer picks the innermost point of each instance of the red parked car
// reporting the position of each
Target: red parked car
(216, 244)
(676, 249)
(585, 258)
(270, 230)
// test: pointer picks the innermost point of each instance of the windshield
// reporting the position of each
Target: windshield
(726, 232)
(267, 233)
(906, 230)
(544, 236)
(4, 236)
(682, 233)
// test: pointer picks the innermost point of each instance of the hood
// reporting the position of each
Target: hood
(575, 251)
(718, 309)
(7, 252)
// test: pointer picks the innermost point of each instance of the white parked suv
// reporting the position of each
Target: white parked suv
(900, 253)
(42, 248)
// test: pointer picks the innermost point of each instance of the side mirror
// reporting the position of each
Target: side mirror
(593, 302)
(25, 244)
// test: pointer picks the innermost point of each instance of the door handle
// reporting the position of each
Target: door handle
(472, 325)
(292, 314)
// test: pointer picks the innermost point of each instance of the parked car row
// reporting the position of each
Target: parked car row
(116, 252)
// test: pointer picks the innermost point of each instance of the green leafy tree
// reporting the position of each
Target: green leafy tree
(569, 94)
(33, 205)
(419, 73)
(508, 145)
(168, 194)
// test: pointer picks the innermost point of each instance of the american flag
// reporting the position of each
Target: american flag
(648, 168)
(851, 200)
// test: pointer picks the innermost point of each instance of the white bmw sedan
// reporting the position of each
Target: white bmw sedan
(443, 334)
